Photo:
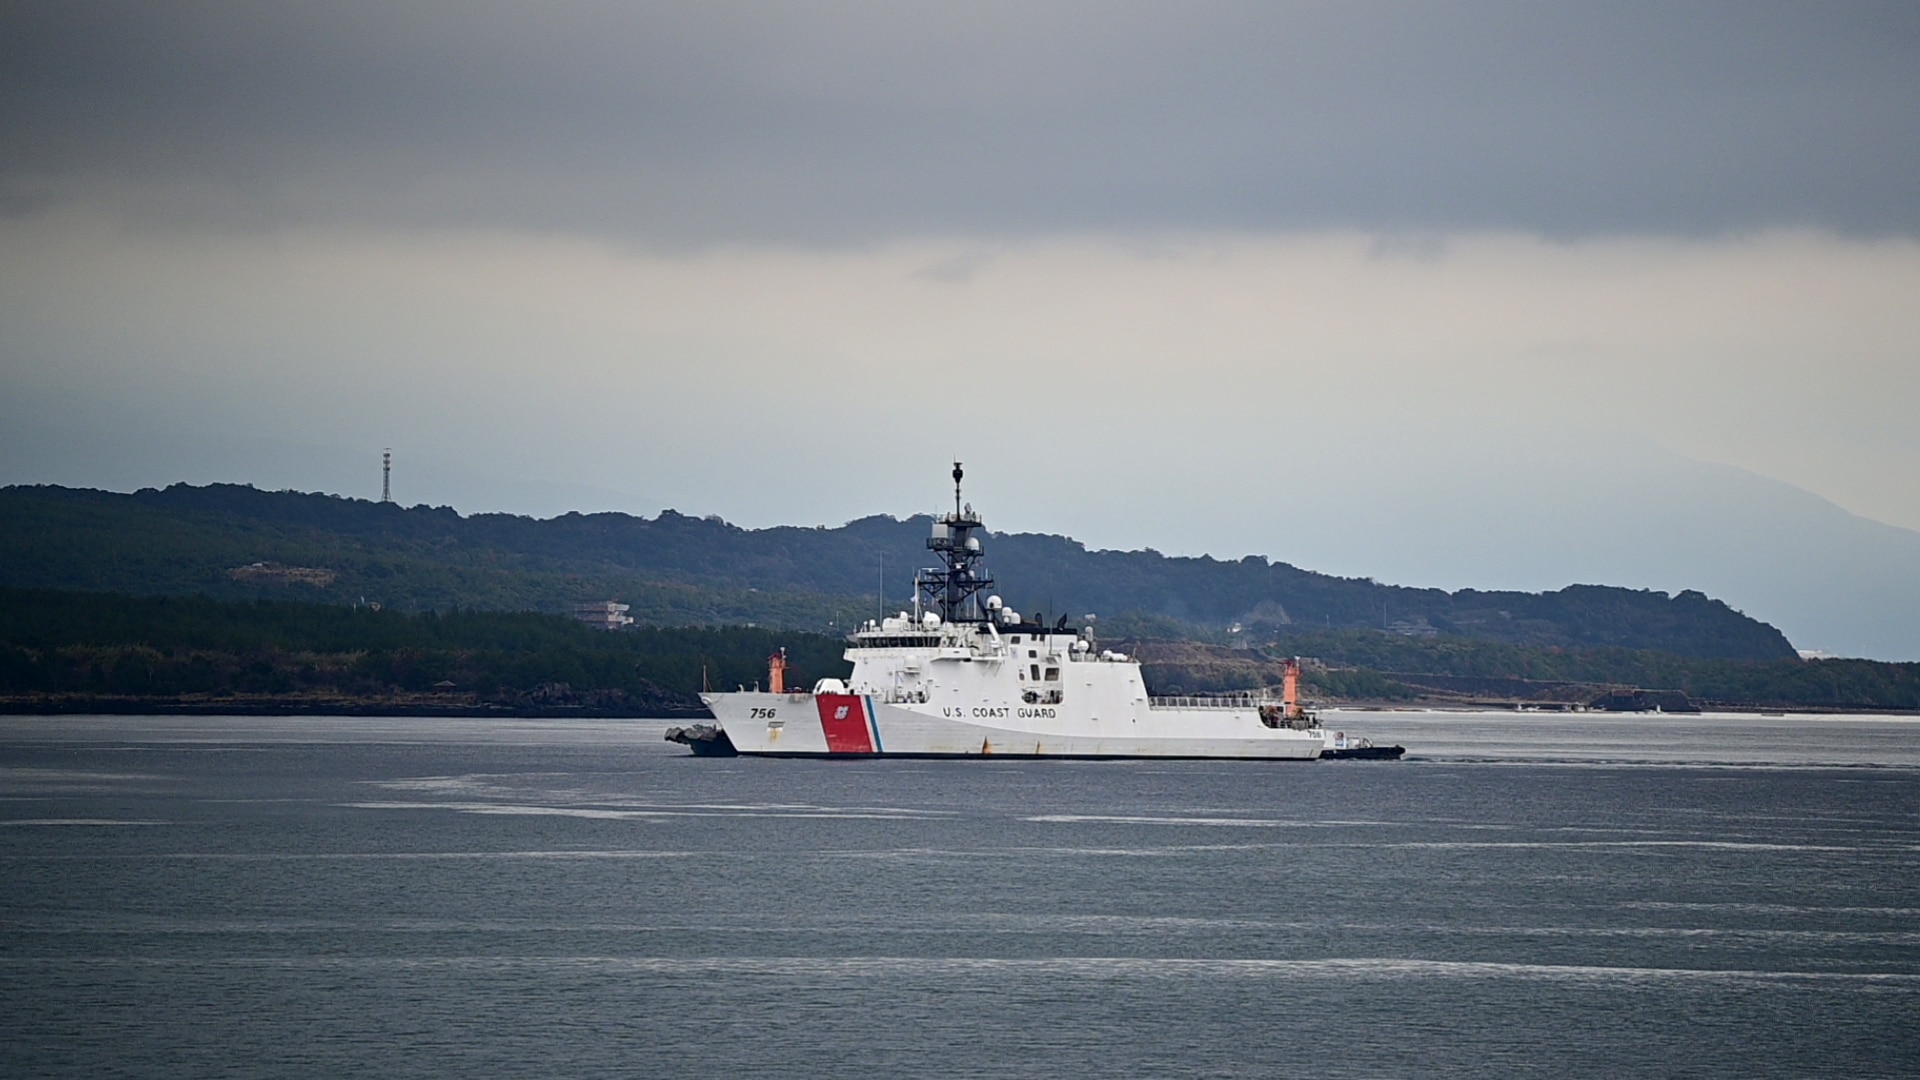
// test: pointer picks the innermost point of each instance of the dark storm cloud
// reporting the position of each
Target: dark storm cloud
(703, 122)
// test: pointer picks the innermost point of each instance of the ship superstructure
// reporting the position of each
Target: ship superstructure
(963, 674)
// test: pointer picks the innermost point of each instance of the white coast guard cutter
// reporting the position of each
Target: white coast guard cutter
(962, 675)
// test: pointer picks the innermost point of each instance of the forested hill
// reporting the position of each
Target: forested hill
(234, 541)
(74, 651)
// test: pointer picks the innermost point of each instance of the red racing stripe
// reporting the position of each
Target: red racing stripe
(843, 718)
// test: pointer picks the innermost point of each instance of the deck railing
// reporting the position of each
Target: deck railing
(1211, 701)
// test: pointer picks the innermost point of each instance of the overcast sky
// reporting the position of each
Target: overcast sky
(853, 123)
(1205, 277)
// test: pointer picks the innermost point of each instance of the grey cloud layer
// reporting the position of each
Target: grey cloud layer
(840, 122)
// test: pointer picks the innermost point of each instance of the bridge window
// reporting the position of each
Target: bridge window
(927, 641)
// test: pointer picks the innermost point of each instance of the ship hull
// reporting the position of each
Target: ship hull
(965, 675)
(859, 726)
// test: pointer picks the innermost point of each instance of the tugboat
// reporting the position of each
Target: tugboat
(1342, 748)
(964, 675)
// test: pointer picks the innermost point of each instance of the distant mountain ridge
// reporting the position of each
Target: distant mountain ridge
(680, 569)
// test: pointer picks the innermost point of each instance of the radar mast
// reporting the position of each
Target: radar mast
(953, 588)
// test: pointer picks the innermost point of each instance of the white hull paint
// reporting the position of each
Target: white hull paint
(804, 724)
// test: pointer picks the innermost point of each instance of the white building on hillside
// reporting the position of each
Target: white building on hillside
(604, 614)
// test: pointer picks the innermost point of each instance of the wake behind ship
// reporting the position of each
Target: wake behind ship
(963, 675)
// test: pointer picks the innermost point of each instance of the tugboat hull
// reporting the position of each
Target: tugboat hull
(1365, 753)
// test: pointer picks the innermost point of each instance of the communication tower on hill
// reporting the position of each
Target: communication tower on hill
(386, 475)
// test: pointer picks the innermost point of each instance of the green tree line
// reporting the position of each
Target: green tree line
(680, 570)
(1381, 666)
(68, 642)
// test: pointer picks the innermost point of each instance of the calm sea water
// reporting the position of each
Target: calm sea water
(1525, 896)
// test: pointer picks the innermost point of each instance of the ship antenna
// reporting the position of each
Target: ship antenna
(953, 587)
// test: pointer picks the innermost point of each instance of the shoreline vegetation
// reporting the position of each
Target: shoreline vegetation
(67, 652)
(231, 542)
(64, 651)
